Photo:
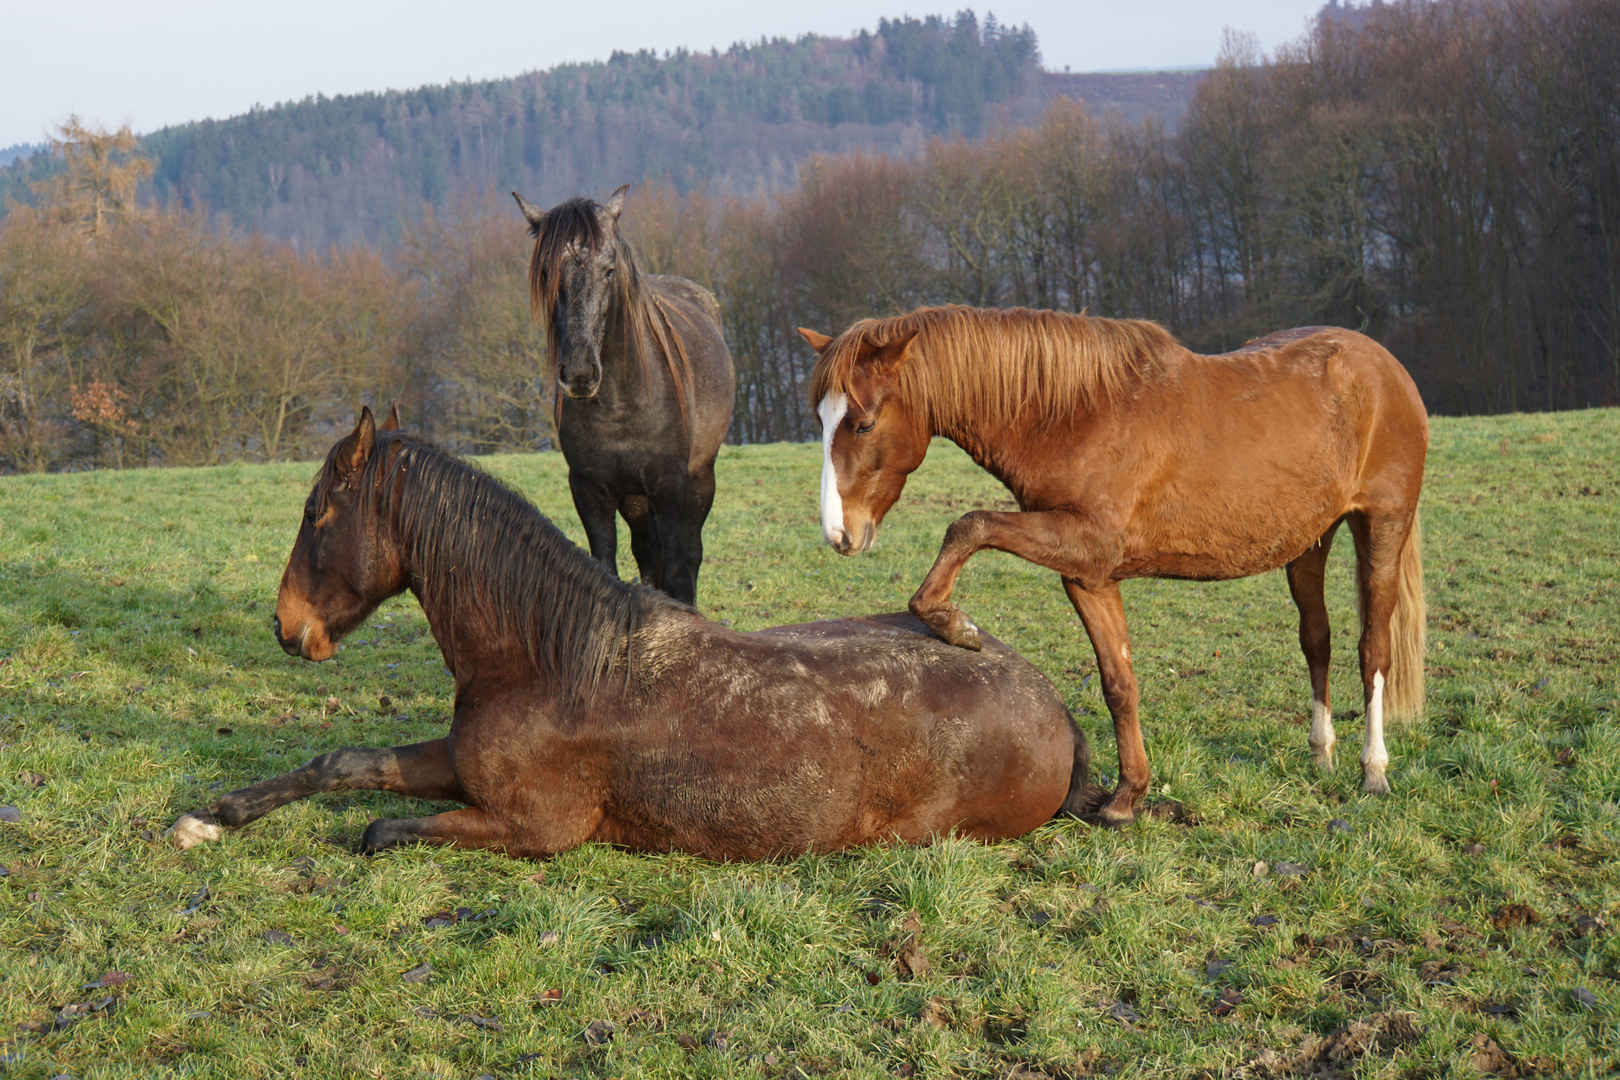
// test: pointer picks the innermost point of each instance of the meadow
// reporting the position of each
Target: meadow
(1265, 920)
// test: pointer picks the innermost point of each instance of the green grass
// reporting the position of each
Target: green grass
(138, 676)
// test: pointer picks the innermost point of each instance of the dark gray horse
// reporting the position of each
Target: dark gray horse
(645, 386)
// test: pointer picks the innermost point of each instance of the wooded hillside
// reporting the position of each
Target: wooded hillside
(360, 168)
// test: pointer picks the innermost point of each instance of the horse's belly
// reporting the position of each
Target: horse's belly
(1224, 554)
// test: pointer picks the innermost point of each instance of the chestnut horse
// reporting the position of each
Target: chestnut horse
(1130, 456)
(587, 708)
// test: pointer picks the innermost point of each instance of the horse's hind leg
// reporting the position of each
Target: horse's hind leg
(1306, 581)
(1378, 550)
(419, 771)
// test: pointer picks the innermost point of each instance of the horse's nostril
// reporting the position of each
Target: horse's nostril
(275, 624)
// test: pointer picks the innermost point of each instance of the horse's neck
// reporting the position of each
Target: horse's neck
(472, 654)
(628, 373)
(995, 446)
(477, 648)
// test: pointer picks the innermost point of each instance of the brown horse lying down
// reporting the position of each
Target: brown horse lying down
(591, 709)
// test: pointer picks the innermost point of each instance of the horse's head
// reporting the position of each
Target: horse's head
(577, 255)
(871, 440)
(341, 567)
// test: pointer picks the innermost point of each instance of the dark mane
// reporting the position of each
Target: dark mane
(471, 541)
(577, 225)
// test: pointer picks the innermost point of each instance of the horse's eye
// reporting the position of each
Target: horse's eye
(608, 272)
(309, 516)
(866, 428)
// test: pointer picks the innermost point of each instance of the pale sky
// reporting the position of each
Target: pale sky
(158, 62)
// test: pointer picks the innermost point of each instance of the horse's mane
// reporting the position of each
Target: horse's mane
(993, 365)
(471, 540)
(576, 224)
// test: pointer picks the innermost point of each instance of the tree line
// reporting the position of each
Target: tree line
(358, 168)
(1443, 176)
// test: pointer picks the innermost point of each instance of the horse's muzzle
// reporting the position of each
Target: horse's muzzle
(290, 646)
(581, 388)
(845, 544)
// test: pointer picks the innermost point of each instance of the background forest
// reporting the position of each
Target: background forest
(1442, 175)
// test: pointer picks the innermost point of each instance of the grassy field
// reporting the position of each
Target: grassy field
(1284, 925)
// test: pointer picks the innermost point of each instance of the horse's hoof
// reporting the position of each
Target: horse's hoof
(1375, 784)
(386, 833)
(954, 627)
(1323, 762)
(1116, 816)
(194, 829)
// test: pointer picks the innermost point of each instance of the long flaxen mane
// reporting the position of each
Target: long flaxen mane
(999, 366)
(471, 540)
(576, 226)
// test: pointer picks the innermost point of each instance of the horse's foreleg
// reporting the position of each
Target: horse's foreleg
(520, 821)
(1305, 581)
(1053, 539)
(419, 771)
(681, 510)
(645, 547)
(1102, 611)
(685, 553)
(596, 506)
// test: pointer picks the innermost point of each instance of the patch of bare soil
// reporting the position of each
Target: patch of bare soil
(1334, 1056)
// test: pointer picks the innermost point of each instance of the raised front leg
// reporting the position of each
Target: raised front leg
(595, 506)
(1056, 539)
(419, 771)
(1071, 544)
(1306, 582)
(1102, 610)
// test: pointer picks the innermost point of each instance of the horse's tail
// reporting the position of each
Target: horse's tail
(1407, 631)
(1085, 798)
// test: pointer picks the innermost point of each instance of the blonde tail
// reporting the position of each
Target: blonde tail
(1408, 632)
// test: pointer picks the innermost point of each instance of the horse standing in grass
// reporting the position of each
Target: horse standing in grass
(591, 709)
(1130, 456)
(645, 389)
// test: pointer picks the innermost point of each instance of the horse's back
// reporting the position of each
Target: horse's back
(901, 640)
(688, 292)
(1358, 388)
(1353, 367)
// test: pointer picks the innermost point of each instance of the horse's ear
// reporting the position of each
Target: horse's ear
(392, 422)
(355, 449)
(887, 360)
(615, 203)
(532, 213)
(818, 342)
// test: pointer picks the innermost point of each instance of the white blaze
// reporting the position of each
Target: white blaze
(831, 409)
